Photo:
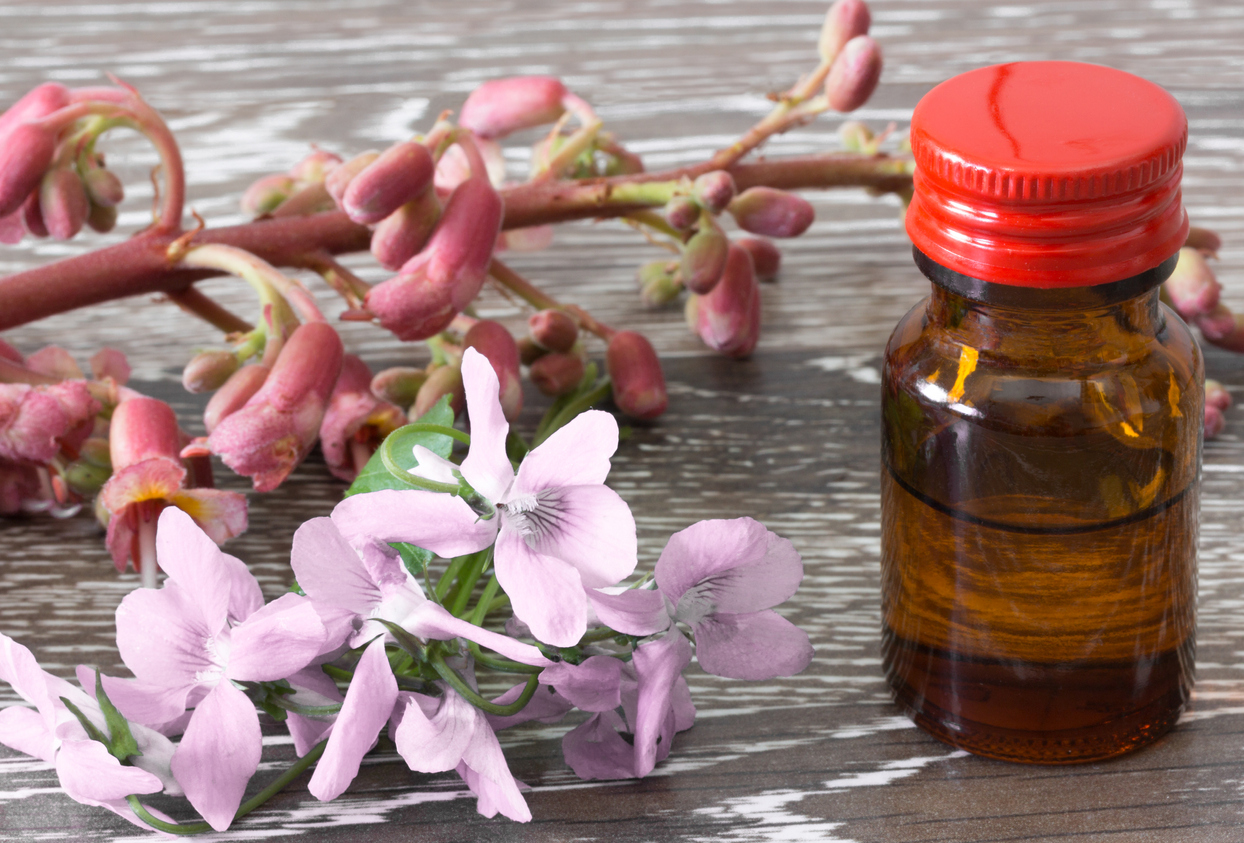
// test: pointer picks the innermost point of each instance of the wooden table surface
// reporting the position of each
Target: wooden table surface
(789, 437)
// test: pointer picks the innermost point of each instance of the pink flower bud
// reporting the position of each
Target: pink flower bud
(19, 486)
(553, 330)
(1192, 287)
(339, 177)
(25, 155)
(63, 202)
(1216, 395)
(356, 421)
(492, 340)
(208, 371)
(142, 428)
(1204, 241)
(846, 19)
(36, 104)
(658, 283)
(638, 383)
(32, 216)
(501, 106)
(11, 228)
(854, 75)
(556, 374)
(454, 167)
(277, 428)
(8, 352)
(1215, 421)
(315, 168)
(399, 175)
(766, 258)
(1221, 327)
(772, 212)
(401, 235)
(55, 362)
(528, 351)
(110, 363)
(715, 190)
(704, 259)
(103, 187)
(231, 397)
(728, 318)
(265, 195)
(682, 212)
(447, 275)
(35, 420)
(442, 381)
(307, 198)
(101, 218)
(398, 385)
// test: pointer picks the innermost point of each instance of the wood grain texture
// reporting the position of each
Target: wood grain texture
(789, 437)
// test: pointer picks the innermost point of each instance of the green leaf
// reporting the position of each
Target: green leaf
(123, 744)
(405, 640)
(91, 731)
(375, 477)
(415, 558)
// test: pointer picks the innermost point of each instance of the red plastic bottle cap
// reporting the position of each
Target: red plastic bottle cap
(1048, 174)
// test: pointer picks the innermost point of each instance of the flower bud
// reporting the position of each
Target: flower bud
(492, 340)
(84, 478)
(1215, 421)
(715, 190)
(772, 212)
(502, 106)
(102, 218)
(356, 421)
(1192, 287)
(339, 177)
(857, 137)
(37, 103)
(278, 426)
(557, 374)
(307, 199)
(704, 259)
(142, 428)
(638, 383)
(34, 420)
(682, 212)
(1221, 327)
(265, 195)
(314, 169)
(1216, 395)
(553, 330)
(622, 162)
(26, 150)
(401, 235)
(231, 397)
(846, 19)
(766, 258)
(399, 175)
(447, 275)
(110, 363)
(398, 385)
(728, 318)
(55, 362)
(63, 202)
(529, 351)
(208, 371)
(103, 187)
(455, 167)
(658, 283)
(1204, 241)
(854, 75)
(11, 228)
(96, 451)
(443, 380)
(32, 216)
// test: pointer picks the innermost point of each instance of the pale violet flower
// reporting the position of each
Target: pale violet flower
(722, 579)
(558, 529)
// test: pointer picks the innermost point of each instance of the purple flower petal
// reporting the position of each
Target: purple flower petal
(163, 636)
(432, 621)
(741, 565)
(659, 664)
(485, 771)
(575, 455)
(192, 561)
(156, 706)
(590, 527)
(435, 744)
(313, 688)
(218, 754)
(444, 524)
(277, 641)
(595, 750)
(546, 706)
(486, 467)
(635, 611)
(755, 645)
(594, 685)
(25, 730)
(89, 774)
(684, 709)
(367, 707)
(546, 593)
(329, 570)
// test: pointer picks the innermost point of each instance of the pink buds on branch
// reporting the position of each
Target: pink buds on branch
(26, 148)
(728, 318)
(704, 258)
(356, 421)
(400, 174)
(208, 371)
(714, 190)
(772, 212)
(442, 381)
(1217, 402)
(854, 74)
(339, 178)
(492, 340)
(638, 383)
(1192, 288)
(766, 258)
(502, 106)
(63, 203)
(846, 19)
(553, 330)
(233, 395)
(557, 373)
(402, 234)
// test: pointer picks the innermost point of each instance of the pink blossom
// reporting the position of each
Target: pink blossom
(187, 644)
(356, 421)
(501, 106)
(721, 578)
(558, 529)
(34, 420)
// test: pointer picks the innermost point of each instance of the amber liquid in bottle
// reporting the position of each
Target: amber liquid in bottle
(1039, 519)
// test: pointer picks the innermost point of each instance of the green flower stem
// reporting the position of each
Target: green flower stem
(246, 807)
(502, 664)
(499, 602)
(263, 276)
(338, 673)
(414, 480)
(446, 580)
(444, 430)
(472, 696)
(466, 585)
(602, 391)
(481, 607)
(347, 285)
(307, 710)
(534, 296)
(604, 633)
(575, 145)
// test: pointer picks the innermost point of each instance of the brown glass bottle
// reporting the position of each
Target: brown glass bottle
(1039, 515)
